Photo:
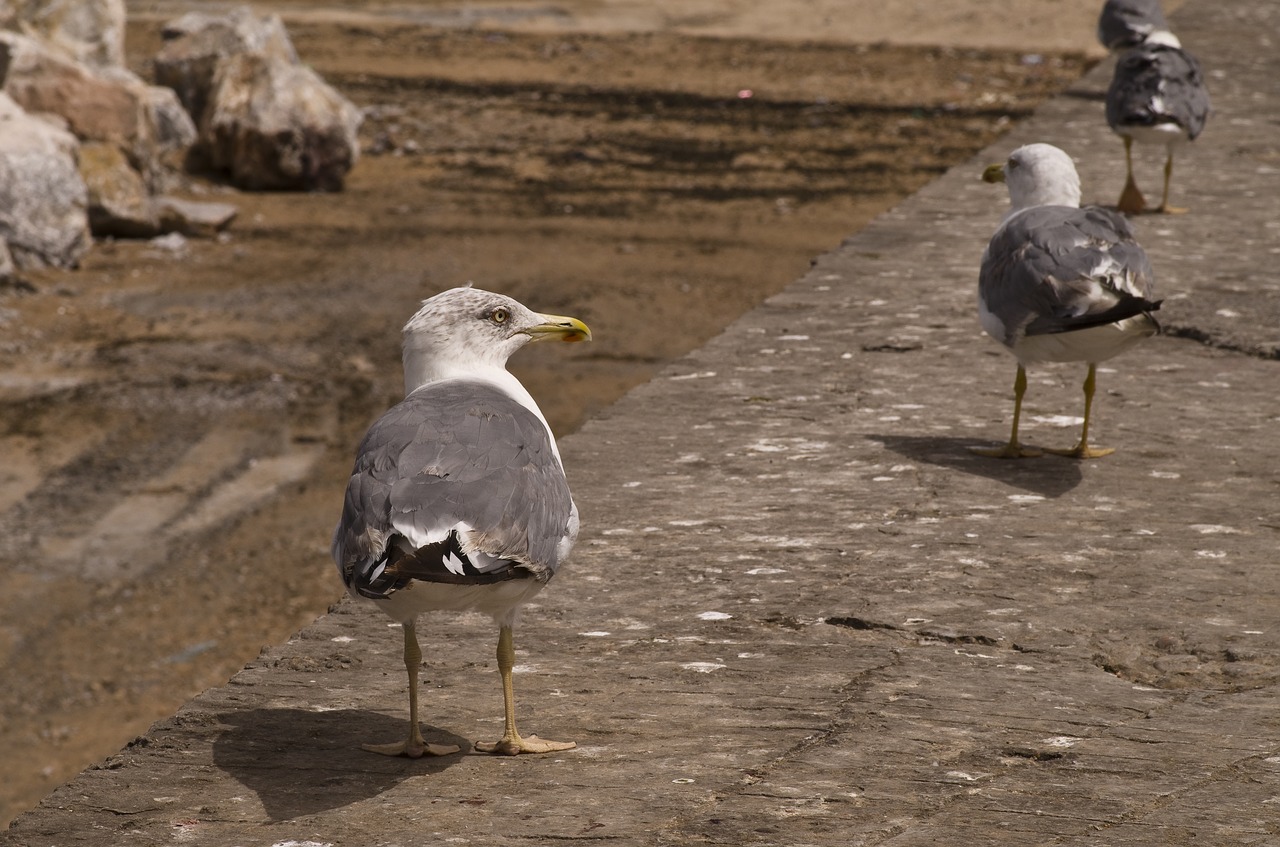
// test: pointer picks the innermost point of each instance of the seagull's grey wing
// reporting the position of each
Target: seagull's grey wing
(1158, 84)
(1056, 269)
(1186, 97)
(1125, 23)
(457, 483)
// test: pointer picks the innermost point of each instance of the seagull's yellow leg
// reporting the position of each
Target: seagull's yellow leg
(415, 746)
(1131, 201)
(1164, 207)
(1083, 450)
(511, 743)
(1012, 450)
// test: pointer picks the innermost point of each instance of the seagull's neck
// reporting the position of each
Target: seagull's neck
(418, 371)
(1046, 196)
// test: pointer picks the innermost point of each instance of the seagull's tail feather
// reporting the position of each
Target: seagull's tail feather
(1125, 306)
(442, 562)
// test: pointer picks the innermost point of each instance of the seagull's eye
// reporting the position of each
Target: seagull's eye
(1013, 163)
(499, 316)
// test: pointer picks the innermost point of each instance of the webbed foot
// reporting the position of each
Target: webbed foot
(515, 745)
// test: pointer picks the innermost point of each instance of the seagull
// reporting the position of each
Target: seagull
(1060, 283)
(458, 500)
(1125, 23)
(1157, 96)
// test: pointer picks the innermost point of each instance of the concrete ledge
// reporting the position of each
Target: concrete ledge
(909, 644)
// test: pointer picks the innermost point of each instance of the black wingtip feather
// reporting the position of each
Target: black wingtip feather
(398, 566)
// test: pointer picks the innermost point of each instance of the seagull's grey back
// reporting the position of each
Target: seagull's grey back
(458, 452)
(1042, 268)
(1157, 84)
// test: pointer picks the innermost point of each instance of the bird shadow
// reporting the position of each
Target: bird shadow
(302, 762)
(1049, 475)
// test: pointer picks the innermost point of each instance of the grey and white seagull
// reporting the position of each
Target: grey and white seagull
(458, 500)
(1125, 23)
(1157, 96)
(1060, 283)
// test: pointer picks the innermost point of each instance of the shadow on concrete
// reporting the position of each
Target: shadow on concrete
(301, 762)
(1048, 476)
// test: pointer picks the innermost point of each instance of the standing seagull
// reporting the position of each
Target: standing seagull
(1125, 23)
(1060, 283)
(458, 500)
(1157, 96)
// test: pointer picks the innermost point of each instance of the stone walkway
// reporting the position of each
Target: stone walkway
(801, 612)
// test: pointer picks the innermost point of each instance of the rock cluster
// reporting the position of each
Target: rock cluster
(88, 148)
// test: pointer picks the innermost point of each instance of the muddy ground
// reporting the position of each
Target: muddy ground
(176, 424)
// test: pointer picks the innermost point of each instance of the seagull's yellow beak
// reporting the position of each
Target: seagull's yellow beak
(993, 173)
(558, 328)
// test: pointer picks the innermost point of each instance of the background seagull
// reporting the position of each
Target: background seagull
(1059, 283)
(1125, 23)
(1157, 96)
(458, 500)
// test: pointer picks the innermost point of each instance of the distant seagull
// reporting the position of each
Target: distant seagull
(1157, 96)
(458, 501)
(1126, 23)
(1059, 283)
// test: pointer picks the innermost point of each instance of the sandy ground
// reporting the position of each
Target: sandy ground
(176, 425)
(1052, 25)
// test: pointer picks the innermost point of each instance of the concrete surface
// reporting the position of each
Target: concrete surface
(802, 613)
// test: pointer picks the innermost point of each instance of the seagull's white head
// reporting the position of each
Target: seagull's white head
(471, 332)
(1037, 175)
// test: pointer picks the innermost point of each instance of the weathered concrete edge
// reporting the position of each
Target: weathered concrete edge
(811, 303)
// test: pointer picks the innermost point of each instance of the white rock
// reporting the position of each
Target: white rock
(43, 200)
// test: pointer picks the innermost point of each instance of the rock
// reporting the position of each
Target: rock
(8, 271)
(113, 105)
(119, 203)
(41, 80)
(89, 33)
(169, 131)
(171, 243)
(1181, 664)
(43, 200)
(174, 129)
(196, 42)
(264, 118)
(276, 125)
(193, 218)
